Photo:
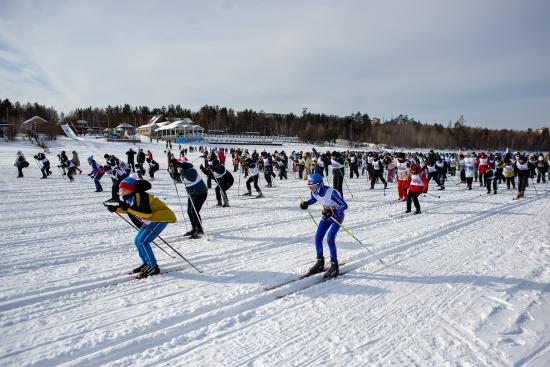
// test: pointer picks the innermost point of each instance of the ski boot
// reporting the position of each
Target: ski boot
(318, 267)
(190, 233)
(249, 193)
(197, 235)
(219, 204)
(259, 196)
(333, 271)
(408, 210)
(417, 211)
(140, 268)
(149, 271)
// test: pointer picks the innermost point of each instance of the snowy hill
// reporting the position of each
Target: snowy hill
(465, 283)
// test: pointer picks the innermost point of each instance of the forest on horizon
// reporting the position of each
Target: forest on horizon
(358, 128)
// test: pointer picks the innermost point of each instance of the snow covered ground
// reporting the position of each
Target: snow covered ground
(466, 282)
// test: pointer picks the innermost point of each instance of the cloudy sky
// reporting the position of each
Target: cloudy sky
(433, 60)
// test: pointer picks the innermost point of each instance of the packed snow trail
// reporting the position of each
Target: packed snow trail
(467, 281)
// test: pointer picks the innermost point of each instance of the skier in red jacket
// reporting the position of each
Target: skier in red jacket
(417, 183)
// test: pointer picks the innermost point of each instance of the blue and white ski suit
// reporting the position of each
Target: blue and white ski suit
(329, 198)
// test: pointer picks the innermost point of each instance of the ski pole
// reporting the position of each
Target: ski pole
(453, 181)
(355, 238)
(167, 244)
(196, 212)
(181, 206)
(223, 192)
(435, 196)
(313, 219)
(533, 181)
(137, 229)
(344, 179)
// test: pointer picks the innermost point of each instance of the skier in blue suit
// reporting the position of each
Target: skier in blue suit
(333, 207)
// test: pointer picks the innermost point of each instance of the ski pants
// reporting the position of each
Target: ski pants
(377, 174)
(70, 173)
(434, 175)
(282, 173)
(353, 170)
(413, 197)
(267, 175)
(132, 165)
(143, 241)
(97, 177)
(401, 188)
(481, 177)
(45, 169)
(511, 180)
(224, 183)
(114, 190)
(489, 182)
(194, 206)
(338, 181)
(255, 180)
(541, 174)
(522, 182)
(152, 172)
(332, 228)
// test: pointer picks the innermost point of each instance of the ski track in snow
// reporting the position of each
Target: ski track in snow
(466, 282)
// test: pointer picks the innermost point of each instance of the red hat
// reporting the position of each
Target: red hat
(128, 183)
(415, 167)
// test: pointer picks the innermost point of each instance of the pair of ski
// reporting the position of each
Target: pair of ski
(317, 278)
(138, 276)
(259, 196)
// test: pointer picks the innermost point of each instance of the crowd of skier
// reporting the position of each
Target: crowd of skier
(412, 172)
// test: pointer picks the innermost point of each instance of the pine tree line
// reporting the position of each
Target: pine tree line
(358, 128)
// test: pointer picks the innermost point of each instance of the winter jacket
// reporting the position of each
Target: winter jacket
(146, 206)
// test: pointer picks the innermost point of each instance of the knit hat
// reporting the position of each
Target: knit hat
(128, 183)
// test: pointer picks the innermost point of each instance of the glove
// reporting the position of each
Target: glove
(124, 206)
(327, 213)
(201, 167)
(112, 208)
(304, 205)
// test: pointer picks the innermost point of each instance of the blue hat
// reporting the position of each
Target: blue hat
(315, 180)
(91, 158)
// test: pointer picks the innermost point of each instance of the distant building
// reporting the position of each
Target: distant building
(34, 123)
(154, 123)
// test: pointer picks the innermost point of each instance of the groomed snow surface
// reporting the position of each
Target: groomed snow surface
(466, 282)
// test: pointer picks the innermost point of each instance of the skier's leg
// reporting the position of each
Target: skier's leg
(321, 231)
(415, 200)
(331, 239)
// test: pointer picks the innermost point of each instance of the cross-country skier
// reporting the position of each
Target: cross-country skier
(20, 163)
(402, 175)
(333, 206)
(152, 216)
(153, 167)
(469, 170)
(337, 163)
(45, 169)
(76, 162)
(377, 171)
(221, 176)
(523, 168)
(417, 183)
(196, 194)
(254, 173)
(97, 173)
